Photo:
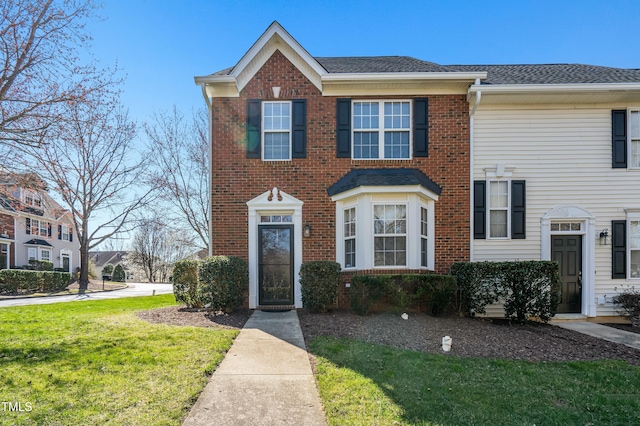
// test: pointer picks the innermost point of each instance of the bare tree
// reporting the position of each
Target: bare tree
(89, 164)
(156, 247)
(40, 43)
(179, 152)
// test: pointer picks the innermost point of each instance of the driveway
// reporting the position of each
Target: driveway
(134, 289)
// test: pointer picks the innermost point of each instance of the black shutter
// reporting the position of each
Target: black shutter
(59, 232)
(28, 226)
(49, 231)
(343, 128)
(619, 249)
(518, 205)
(70, 234)
(253, 128)
(619, 139)
(479, 209)
(421, 127)
(299, 128)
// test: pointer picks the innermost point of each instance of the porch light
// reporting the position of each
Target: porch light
(307, 230)
(603, 237)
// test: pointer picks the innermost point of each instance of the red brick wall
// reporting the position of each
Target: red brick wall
(236, 180)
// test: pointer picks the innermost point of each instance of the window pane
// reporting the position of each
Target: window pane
(565, 226)
(365, 115)
(634, 124)
(423, 252)
(555, 226)
(350, 253)
(499, 194)
(277, 116)
(498, 222)
(390, 251)
(634, 234)
(635, 264)
(365, 145)
(276, 146)
(635, 153)
(423, 222)
(396, 115)
(396, 144)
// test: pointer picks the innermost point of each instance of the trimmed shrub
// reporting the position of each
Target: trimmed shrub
(40, 265)
(528, 288)
(319, 281)
(25, 281)
(119, 274)
(436, 291)
(108, 269)
(185, 283)
(223, 281)
(365, 290)
(628, 304)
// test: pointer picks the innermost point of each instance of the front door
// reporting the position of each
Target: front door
(65, 263)
(567, 251)
(275, 264)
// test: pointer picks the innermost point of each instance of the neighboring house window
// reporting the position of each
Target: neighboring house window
(498, 196)
(390, 235)
(276, 127)
(65, 233)
(32, 253)
(500, 208)
(45, 255)
(37, 227)
(32, 199)
(424, 234)
(350, 237)
(381, 129)
(634, 139)
(4, 256)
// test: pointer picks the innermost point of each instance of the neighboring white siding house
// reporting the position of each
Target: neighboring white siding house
(557, 138)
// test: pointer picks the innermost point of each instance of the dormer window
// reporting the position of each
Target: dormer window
(31, 198)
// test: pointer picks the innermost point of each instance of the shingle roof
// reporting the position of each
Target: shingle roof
(496, 74)
(37, 242)
(382, 177)
(552, 74)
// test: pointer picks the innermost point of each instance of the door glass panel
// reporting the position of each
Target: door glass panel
(275, 265)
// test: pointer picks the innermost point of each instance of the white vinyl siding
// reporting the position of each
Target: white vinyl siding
(564, 154)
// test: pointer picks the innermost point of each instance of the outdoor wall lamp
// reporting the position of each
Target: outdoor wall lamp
(603, 237)
(307, 230)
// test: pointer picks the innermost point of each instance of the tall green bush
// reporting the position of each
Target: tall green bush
(26, 281)
(185, 283)
(107, 269)
(223, 281)
(365, 290)
(319, 281)
(435, 291)
(527, 288)
(118, 274)
(628, 304)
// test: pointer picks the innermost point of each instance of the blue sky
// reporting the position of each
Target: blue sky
(161, 44)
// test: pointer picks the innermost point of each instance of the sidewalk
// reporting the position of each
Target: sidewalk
(265, 378)
(603, 332)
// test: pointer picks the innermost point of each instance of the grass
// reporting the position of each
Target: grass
(367, 384)
(97, 363)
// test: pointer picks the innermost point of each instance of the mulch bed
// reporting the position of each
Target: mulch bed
(471, 337)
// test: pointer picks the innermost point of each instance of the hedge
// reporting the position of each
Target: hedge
(223, 281)
(18, 280)
(185, 283)
(403, 290)
(528, 288)
(319, 282)
(118, 274)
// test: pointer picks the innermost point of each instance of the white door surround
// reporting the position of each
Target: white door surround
(274, 202)
(575, 214)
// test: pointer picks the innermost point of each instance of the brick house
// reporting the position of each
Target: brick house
(365, 161)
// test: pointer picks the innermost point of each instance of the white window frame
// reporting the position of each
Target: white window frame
(5, 248)
(350, 237)
(631, 139)
(631, 217)
(65, 232)
(490, 209)
(363, 198)
(32, 198)
(393, 235)
(32, 253)
(381, 130)
(42, 251)
(39, 228)
(424, 238)
(266, 131)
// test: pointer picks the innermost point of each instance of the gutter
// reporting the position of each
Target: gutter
(555, 88)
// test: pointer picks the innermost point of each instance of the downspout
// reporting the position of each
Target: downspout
(208, 101)
(471, 153)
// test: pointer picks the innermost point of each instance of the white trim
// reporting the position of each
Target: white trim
(553, 88)
(274, 202)
(575, 214)
(400, 189)
(394, 76)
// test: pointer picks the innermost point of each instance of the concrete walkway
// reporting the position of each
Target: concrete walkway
(265, 378)
(603, 332)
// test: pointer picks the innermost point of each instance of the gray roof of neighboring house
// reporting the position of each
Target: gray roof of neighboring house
(496, 74)
(382, 177)
(101, 258)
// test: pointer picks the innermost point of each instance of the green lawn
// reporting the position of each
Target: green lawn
(367, 384)
(97, 363)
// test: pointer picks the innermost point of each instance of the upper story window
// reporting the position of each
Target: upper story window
(276, 128)
(65, 233)
(498, 195)
(32, 199)
(499, 209)
(381, 129)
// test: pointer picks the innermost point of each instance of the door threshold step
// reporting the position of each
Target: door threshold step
(275, 308)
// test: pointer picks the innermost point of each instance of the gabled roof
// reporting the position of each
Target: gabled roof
(37, 242)
(101, 258)
(383, 177)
